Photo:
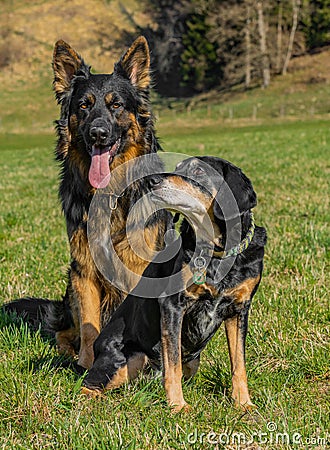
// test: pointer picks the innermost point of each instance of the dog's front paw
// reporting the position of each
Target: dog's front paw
(249, 406)
(183, 407)
(246, 406)
(91, 393)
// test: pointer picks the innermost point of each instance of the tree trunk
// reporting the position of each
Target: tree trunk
(248, 49)
(295, 12)
(263, 46)
(279, 37)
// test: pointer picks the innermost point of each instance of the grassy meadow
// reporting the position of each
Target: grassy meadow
(288, 340)
(280, 137)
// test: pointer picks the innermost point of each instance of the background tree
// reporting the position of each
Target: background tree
(231, 31)
(295, 13)
(316, 23)
(264, 55)
(164, 34)
(201, 44)
(199, 62)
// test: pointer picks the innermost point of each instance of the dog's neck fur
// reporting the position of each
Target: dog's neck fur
(232, 232)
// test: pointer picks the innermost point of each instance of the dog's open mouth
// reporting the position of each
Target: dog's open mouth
(99, 171)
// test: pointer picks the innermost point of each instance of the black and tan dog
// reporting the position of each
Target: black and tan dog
(211, 274)
(105, 122)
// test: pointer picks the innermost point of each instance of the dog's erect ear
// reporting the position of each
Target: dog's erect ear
(235, 196)
(66, 64)
(136, 64)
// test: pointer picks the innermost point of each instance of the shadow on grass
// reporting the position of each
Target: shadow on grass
(17, 333)
(27, 338)
(215, 379)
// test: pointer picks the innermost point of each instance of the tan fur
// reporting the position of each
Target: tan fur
(90, 98)
(129, 372)
(207, 200)
(240, 392)
(136, 364)
(172, 371)
(91, 393)
(242, 292)
(88, 294)
(121, 377)
(177, 182)
(65, 340)
(81, 253)
(135, 250)
(108, 98)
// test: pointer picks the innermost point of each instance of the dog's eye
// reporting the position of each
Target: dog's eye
(199, 171)
(83, 105)
(116, 105)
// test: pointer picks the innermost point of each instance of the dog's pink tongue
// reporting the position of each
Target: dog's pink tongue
(99, 172)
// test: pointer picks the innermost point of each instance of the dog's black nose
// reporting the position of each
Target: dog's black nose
(99, 135)
(155, 181)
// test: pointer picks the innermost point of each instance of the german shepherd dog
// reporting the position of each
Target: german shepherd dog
(105, 122)
(220, 262)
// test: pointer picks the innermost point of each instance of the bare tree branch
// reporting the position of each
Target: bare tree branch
(295, 12)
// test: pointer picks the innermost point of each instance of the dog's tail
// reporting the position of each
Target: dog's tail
(49, 315)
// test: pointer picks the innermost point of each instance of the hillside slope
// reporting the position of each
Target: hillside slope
(30, 29)
(98, 30)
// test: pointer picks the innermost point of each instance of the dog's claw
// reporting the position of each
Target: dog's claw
(249, 407)
(91, 393)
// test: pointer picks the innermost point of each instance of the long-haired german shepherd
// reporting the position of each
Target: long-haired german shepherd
(105, 121)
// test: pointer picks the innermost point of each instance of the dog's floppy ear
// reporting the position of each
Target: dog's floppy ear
(66, 64)
(135, 64)
(235, 196)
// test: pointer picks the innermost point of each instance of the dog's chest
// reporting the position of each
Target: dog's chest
(201, 320)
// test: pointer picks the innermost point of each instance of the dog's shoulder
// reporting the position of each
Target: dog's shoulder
(260, 236)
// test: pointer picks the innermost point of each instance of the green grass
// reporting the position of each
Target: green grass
(287, 345)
